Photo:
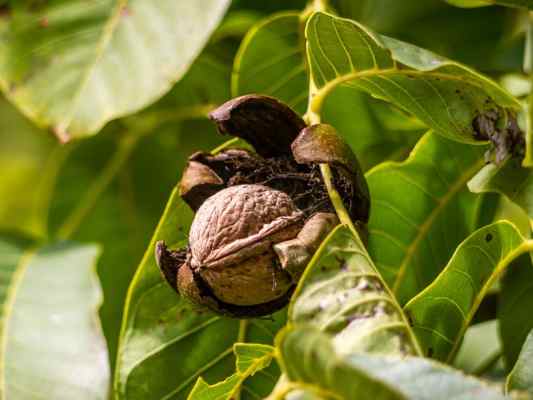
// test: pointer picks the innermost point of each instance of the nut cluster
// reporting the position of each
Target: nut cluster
(260, 216)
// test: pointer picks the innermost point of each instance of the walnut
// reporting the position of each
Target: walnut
(259, 216)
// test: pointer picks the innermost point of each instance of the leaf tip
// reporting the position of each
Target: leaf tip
(62, 134)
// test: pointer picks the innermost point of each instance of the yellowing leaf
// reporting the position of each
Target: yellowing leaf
(73, 65)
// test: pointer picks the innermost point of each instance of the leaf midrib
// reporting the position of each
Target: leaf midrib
(101, 47)
(427, 224)
(326, 89)
(206, 367)
(250, 371)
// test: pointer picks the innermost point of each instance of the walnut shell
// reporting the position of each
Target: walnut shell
(249, 243)
(231, 239)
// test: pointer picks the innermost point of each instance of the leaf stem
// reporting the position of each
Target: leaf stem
(345, 219)
(320, 5)
(335, 197)
(225, 145)
(243, 327)
(316, 98)
(284, 387)
(312, 7)
(312, 116)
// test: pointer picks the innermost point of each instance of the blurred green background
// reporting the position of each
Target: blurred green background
(111, 188)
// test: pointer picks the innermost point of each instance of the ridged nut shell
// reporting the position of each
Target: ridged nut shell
(237, 218)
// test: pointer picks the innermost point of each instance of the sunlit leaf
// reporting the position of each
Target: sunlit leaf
(250, 358)
(165, 344)
(329, 375)
(72, 65)
(381, 132)
(443, 94)
(206, 84)
(442, 312)
(421, 210)
(367, 376)
(51, 343)
(119, 181)
(342, 294)
(123, 215)
(509, 179)
(275, 46)
(480, 348)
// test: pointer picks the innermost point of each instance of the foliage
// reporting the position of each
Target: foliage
(104, 101)
(50, 293)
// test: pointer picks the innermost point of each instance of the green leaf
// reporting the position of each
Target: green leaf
(521, 377)
(73, 66)
(51, 342)
(485, 39)
(469, 3)
(205, 86)
(342, 294)
(114, 186)
(480, 3)
(514, 307)
(518, 85)
(29, 162)
(421, 210)
(326, 373)
(334, 376)
(236, 24)
(122, 209)
(250, 358)
(480, 349)
(443, 94)
(159, 329)
(271, 61)
(509, 179)
(442, 312)
(382, 132)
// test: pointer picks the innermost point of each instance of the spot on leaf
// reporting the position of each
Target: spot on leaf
(500, 127)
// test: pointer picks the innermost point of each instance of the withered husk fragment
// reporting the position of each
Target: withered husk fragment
(267, 124)
(321, 143)
(260, 216)
(500, 127)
